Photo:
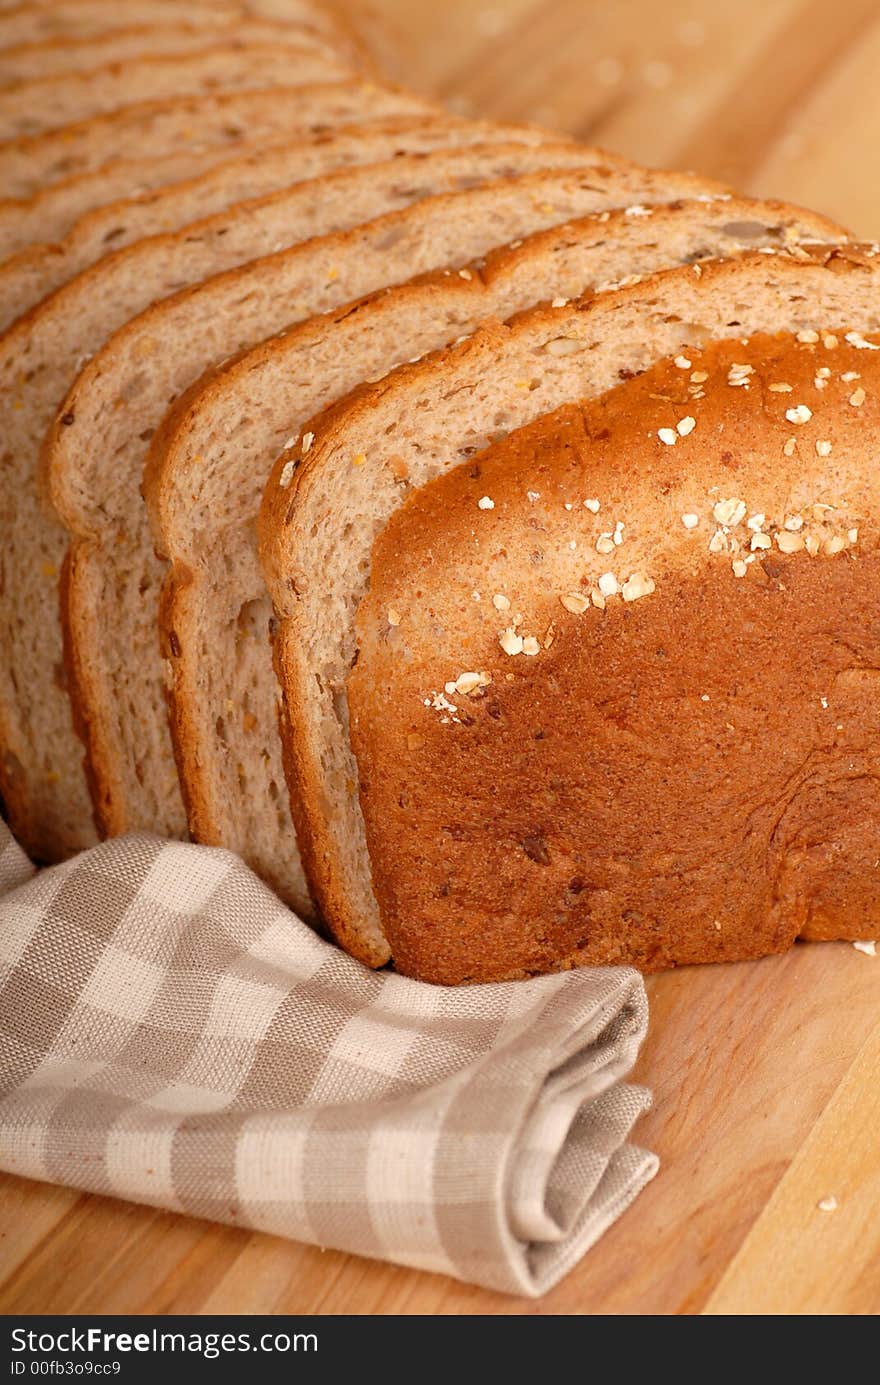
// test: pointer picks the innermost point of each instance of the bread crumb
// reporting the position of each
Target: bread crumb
(808, 337)
(827, 1204)
(860, 343)
(394, 617)
(593, 506)
(780, 389)
(857, 398)
(501, 602)
(682, 362)
(533, 496)
(286, 476)
(699, 377)
(667, 435)
(510, 641)
(799, 414)
(485, 503)
(531, 646)
(690, 521)
(789, 446)
(739, 567)
(869, 948)
(823, 447)
(308, 439)
(685, 426)
(738, 375)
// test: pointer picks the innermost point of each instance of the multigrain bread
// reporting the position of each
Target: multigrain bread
(366, 454)
(97, 446)
(76, 19)
(39, 270)
(210, 458)
(227, 119)
(56, 57)
(45, 104)
(668, 754)
(50, 214)
(39, 360)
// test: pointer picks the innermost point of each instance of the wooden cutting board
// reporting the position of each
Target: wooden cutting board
(766, 1104)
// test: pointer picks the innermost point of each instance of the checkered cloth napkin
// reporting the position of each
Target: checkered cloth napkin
(170, 1033)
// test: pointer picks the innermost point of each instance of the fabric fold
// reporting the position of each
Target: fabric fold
(170, 1033)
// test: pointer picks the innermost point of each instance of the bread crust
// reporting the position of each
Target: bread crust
(688, 776)
(659, 315)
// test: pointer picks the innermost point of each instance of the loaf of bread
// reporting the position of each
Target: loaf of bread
(567, 545)
(222, 687)
(164, 127)
(645, 734)
(97, 447)
(365, 456)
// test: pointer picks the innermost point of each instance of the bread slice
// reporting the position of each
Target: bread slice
(97, 447)
(240, 416)
(85, 19)
(36, 107)
(681, 771)
(39, 360)
(318, 528)
(56, 57)
(34, 273)
(50, 214)
(196, 122)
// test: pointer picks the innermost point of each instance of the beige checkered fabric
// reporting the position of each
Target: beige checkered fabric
(170, 1033)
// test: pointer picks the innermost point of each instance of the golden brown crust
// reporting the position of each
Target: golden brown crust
(691, 775)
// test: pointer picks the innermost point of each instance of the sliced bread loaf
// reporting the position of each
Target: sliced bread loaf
(226, 119)
(36, 107)
(39, 270)
(50, 214)
(210, 458)
(364, 455)
(39, 359)
(75, 19)
(669, 753)
(96, 456)
(57, 57)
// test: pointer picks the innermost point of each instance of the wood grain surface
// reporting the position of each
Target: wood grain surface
(764, 1074)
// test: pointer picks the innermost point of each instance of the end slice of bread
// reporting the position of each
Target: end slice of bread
(319, 526)
(210, 458)
(656, 745)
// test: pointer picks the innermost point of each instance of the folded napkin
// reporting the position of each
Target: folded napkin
(172, 1034)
